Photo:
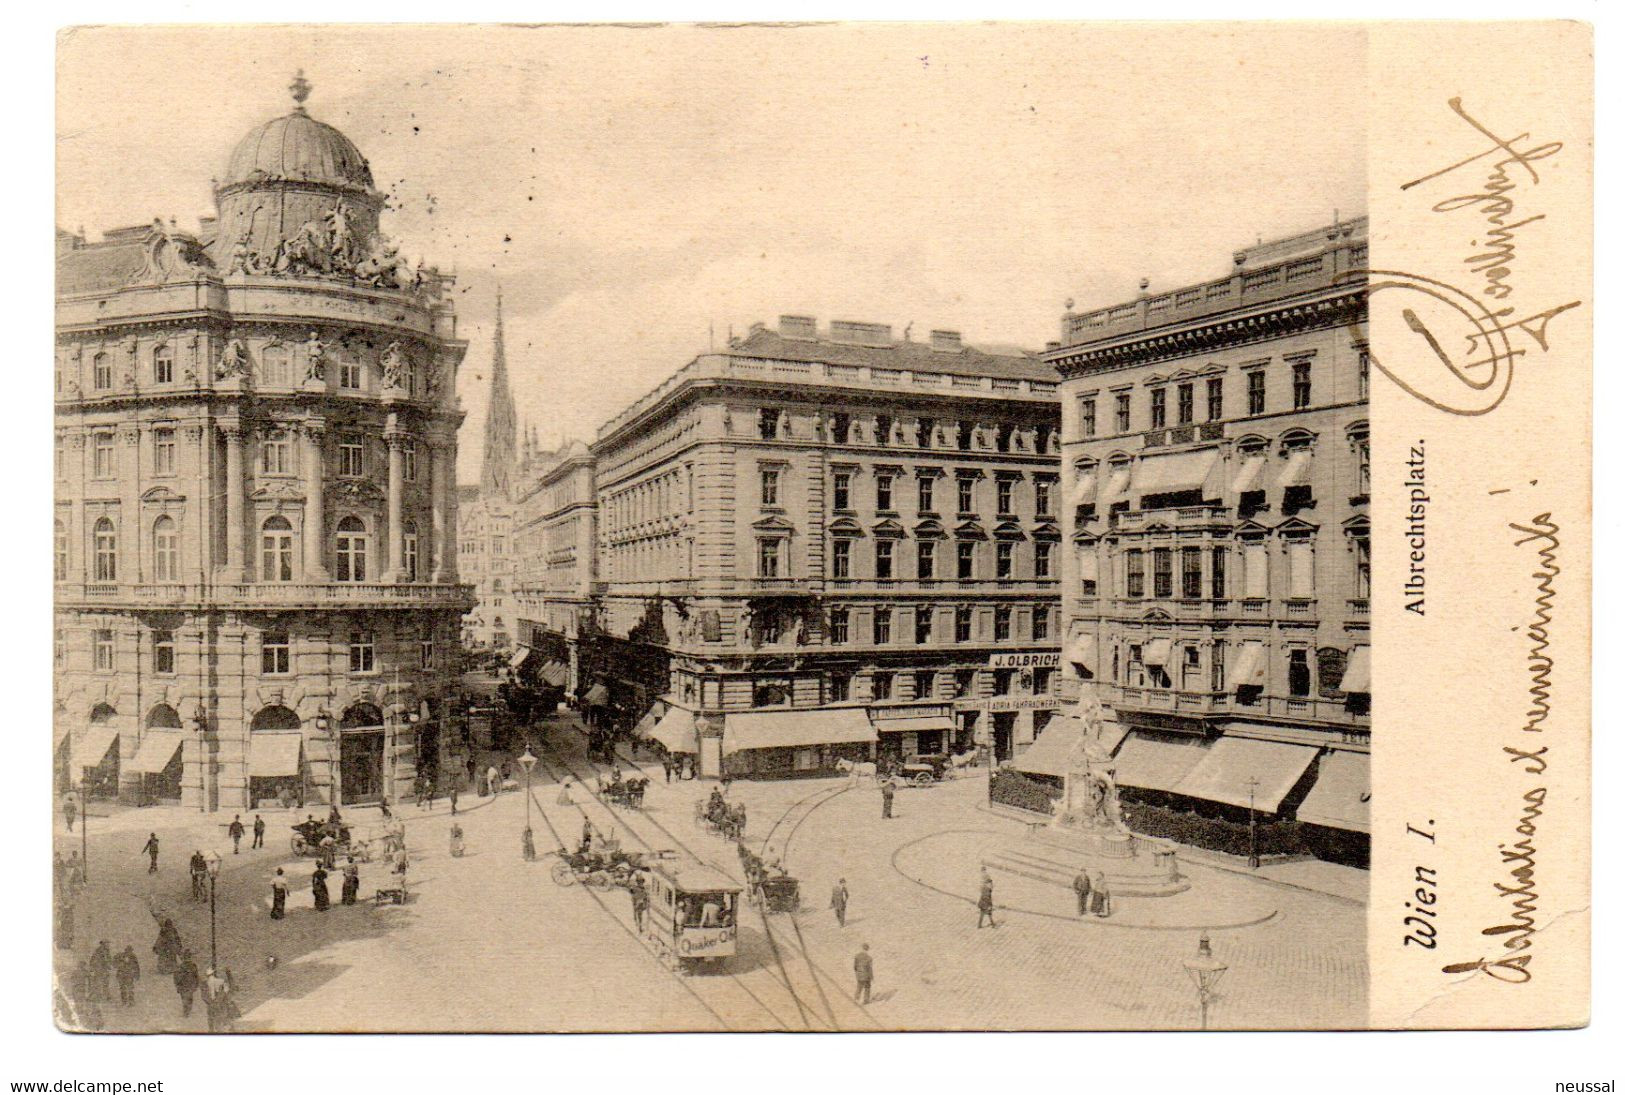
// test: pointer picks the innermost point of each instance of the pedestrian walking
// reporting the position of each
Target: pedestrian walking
(454, 798)
(167, 948)
(640, 901)
(665, 762)
(217, 1001)
(432, 790)
(150, 849)
(473, 773)
(318, 888)
(888, 791)
(259, 832)
(527, 847)
(186, 981)
(127, 970)
(235, 831)
(491, 784)
(863, 967)
(564, 794)
(837, 901)
(101, 970)
(1081, 886)
(199, 870)
(279, 895)
(59, 875)
(352, 882)
(984, 904)
(456, 841)
(70, 810)
(1100, 897)
(76, 873)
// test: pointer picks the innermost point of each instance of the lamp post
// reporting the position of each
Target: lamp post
(527, 762)
(1205, 971)
(200, 717)
(214, 875)
(1252, 824)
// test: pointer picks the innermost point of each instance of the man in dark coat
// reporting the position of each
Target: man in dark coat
(168, 947)
(318, 888)
(888, 791)
(150, 849)
(127, 970)
(101, 969)
(984, 904)
(186, 981)
(200, 871)
(70, 810)
(640, 901)
(863, 967)
(454, 797)
(1080, 886)
(837, 901)
(259, 832)
(235, 831)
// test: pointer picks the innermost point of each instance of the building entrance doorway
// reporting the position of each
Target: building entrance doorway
(361, 755)
(1004, 732)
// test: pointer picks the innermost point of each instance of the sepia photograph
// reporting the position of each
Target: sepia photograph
(824, 528)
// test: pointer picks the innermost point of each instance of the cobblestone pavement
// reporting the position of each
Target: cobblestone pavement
(491, 943)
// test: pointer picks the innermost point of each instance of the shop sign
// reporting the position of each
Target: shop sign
(1011, 703)
(1030, 660)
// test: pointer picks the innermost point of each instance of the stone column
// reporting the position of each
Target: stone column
(233, 433)
(396, 439)
(315, 531)
(444, 502)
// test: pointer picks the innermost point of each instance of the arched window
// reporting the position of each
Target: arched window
(352, 550)
(102, 371)
(163, 364)
(166, 558)
(276, 550)
(274, 366)
(106, 540)
(59, 556)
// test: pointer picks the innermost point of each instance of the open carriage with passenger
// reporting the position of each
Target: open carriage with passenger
(768, 882)
(718, 815)
(602, 864)
(333, 839)
(626, 792)
(693, 914)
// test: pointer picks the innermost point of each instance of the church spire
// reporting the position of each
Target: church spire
(501, 424)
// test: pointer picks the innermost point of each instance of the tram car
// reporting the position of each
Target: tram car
(693, 917)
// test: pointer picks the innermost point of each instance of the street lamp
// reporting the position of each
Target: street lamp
(1252, 824)
(201, 718)
(214, 874)
(527, 762)
(1205, 971)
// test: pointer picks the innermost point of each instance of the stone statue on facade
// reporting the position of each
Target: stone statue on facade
(432, 381)
(233, 361)
(342, 244)
(394, 366)
(315, 358)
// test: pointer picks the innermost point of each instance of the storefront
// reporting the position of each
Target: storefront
(157, 761)
(1336, 812)
(907, 731)
(1006, 725)
(94, 760)
(788, 742)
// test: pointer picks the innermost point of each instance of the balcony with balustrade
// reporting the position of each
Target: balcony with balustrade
(267, 595)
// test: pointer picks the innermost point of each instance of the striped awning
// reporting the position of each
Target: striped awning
(519, 657)
(675, 731)
(1155, 763)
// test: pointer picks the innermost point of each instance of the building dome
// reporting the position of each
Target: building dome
(298, 148)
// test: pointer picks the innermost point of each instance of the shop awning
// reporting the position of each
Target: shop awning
(158, 747)
(1155, 763)
(1357, 677)
(649, 720)
(519, 657)
(1051, 754)
(1174, 471)
(91, 744)
(1081, 651)
(1158, 651)
(914, 723)
(273, 753)
(1249, 475)
(1227, 771)
(1250, 668)
(788, 729)
(675, 730)
(554, 674)
(1296, 472)
(597, 695)
(1341, 796)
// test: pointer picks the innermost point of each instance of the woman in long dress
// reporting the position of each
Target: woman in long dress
(1100, 898)
(352, 882)
(318, 888)
(279, 895)
(564, 794)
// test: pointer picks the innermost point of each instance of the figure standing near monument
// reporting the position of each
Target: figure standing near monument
(1081, 887)
(984, 904)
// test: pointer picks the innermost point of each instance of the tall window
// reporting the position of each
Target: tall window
(840, 626)
(1255, 570)
(1040, 622)
(409, 553)
(1362, 448)
(1365, 374)
(166, 556)
(880, 683)
(362, 649)
(163, 451)
(840, 428)
(1159, 407)
(101, 447)
(1362, 568)
(59, 553)
(103, 643)
(883, 498)
(276, 653)
(843, 490)
(1001, 624)
(925, 432)
(351, 551)
(967, 494)
(1255, 392)
(964, 682)
(106, 543)
(61, 649)
(1006, 496)
(1043, 490)
(1190, 573)
(1300, 561)
(349, 369)
(409, 461)
(1297, 672)
(963, 435)
(767, 421)
(840, 687)
(102, 371)
(967, 560)
(1216, 679)
(927, 489)
(276, 550)
(274, 366)
(1043, 550)
(1300, 385)
(1004, 557)
(1162, 572)
(922, 625)
(1216, 582)
(924, 682)
(962, 624)
(426, 654)
(841, 563)
(1215, 398)
(163, 365)
(276, 454)
(163, 652)
(1134, 570)
(770, 486)
(1086, 417)
(882, 626)
(883, 427)
(767, 558)
(927, 559)
(1187, 403)
(883, 557)
(1123, 412)
(352, 457)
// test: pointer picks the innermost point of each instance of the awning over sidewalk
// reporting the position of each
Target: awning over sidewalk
(650, 719)
(1154, 763)
(788, 729)
(91, 744)
(1227, 772)
(555, 674)
(1341, 796)
(597, 695)
(519, 657)
(1357, 677)
(1175, 471)
(913, 723)
(273, 753)
(675, 730)
(158, 747)
(1051, 754)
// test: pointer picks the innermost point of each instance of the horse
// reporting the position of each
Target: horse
(962, 760)
(858, 770)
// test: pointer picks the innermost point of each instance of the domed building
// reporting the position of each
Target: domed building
(255, 555)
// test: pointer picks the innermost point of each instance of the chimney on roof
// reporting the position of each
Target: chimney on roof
(946, 342)
(798, 326)
(860, 334)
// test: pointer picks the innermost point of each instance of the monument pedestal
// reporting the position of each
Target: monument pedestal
(1133, 865)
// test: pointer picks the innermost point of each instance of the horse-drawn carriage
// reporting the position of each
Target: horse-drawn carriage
(767, 881)
(314, 838)
(693, 913)
(626, 792)
(718, 815)
(603, 866)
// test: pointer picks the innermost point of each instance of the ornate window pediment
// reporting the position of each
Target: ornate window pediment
(1157, 615)
(888, 527)
(929, 528)
(970, 530)
(845, 526)
(1009, 530)
(1357, 526)
(773, 523)
(1296, 527)
(1251, 530)
(1046, 530)
(161, 494)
